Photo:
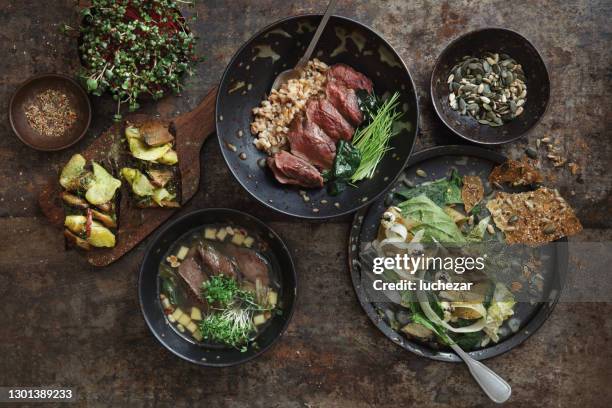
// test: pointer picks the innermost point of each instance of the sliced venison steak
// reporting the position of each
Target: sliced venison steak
(309, 142)
(191, 272)
(327, 117)
(290, 169)
(350, 78)
(345, 101)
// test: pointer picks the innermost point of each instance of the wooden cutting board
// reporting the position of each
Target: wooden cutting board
(191, 129)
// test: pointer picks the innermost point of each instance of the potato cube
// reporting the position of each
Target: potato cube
(177, 314)
(182, 253)
(192, 327)
(221, 234)
(259, 319)
(272, 298)
(184, 320)
(196, 314)
(197, 335)
(210, 233)
(248, 242)
(238, 238)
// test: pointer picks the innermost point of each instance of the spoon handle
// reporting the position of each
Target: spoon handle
(492, 384)
(313, 43)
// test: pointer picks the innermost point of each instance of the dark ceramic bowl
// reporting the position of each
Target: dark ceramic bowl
(28, 90)
(249, 77)
(437, 162)
(148, 288)
(475, 44)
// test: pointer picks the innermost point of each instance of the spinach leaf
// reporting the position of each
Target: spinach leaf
(467, 341)
(346, 162)
(169, 289)
(368, 103)
(437, 225)
(424, 321)
(443, 191)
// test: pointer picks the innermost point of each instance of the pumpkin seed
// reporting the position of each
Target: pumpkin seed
(549, 229)
(491, 89)
(421, 173)
(531, 152)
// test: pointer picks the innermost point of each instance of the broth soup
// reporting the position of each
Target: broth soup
(218, 286)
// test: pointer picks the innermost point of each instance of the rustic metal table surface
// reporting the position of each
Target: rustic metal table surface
(66, 323)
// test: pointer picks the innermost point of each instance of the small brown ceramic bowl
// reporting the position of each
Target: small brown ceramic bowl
(476, 43)
(28, 91)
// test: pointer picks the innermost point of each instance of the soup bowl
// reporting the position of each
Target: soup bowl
(214, 355)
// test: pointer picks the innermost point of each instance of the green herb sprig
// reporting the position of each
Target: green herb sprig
(231, 321)
(373, 139)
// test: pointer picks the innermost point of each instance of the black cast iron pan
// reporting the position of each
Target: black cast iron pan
(213, 354)
(248, 79)
(437, 162)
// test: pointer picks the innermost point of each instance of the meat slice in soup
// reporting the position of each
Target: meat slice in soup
(327, 117)
(251, 266)
(191, 272)
(349, 77)
(345, 100)
(215, 262)
(290, 169)
(310, 143)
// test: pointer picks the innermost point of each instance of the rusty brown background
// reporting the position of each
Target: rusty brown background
(66, 323)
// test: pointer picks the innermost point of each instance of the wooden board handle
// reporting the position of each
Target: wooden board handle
(192, 129)
(199, 121)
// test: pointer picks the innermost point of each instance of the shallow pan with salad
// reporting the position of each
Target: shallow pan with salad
(329, 142)
(435, 200)
(217, 287)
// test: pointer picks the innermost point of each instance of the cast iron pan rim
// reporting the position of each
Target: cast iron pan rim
(158, 235)
(439, 60)
(288, 212)
(536, 321)
(37, 77)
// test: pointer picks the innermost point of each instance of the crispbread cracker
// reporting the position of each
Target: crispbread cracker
(533, 217)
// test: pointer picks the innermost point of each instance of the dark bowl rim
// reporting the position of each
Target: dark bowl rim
(141, 271)
(36, 77)
(533, 325)
(361, 204)
(453, 43)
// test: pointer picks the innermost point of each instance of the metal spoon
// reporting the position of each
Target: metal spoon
(285, 76)
(492, 384)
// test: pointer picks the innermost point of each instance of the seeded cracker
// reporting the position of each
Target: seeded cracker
(472, 192)
(516, 173)
(534, 217)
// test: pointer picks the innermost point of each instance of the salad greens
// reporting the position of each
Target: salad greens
(431, 213)
(442, 192)
(437, 225)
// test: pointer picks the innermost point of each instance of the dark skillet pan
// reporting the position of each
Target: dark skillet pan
(248, 79)
(214, 355)
(437, 162)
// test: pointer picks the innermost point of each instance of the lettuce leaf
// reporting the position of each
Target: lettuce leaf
(478, 232)
(500, 309)
(437, 225)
